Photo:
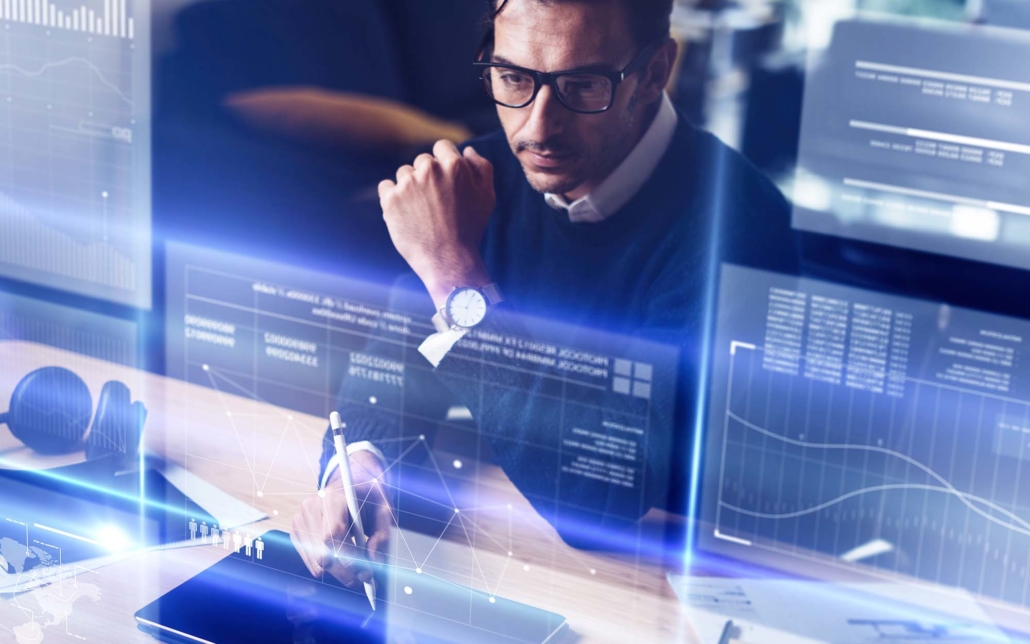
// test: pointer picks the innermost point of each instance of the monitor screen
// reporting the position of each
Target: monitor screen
(75, 147)
(850, 431)
(915, 135)
(579, 419)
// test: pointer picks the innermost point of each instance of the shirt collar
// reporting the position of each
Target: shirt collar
(629, 177)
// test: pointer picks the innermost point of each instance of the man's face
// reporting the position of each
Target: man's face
(561, 151)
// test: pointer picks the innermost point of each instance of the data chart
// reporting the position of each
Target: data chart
(75, 147)
(859, 430)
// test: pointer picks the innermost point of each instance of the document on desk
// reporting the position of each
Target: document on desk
(805, 612)
(229, 512)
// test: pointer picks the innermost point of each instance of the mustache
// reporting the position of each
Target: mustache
(549, 147)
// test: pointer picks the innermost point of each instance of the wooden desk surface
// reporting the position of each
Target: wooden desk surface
(247, 447)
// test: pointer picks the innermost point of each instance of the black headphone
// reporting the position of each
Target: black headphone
(50, 412)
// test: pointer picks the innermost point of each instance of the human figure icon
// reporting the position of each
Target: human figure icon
(193, 529)
(226, 539)
(248, 541)
(215, 535)
(204, 530)
(236, 541)
(260, 545)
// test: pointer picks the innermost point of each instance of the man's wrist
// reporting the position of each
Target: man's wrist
(441, 286)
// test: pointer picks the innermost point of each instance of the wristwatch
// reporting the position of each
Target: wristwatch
(466, 307)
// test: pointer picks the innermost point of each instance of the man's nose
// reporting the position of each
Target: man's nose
(546, 116)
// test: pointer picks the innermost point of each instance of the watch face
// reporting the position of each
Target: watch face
(466, 307)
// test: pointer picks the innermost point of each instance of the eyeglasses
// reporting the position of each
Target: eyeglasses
(584, 91)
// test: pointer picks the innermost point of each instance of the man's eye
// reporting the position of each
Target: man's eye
(514, 79)
(582, 86)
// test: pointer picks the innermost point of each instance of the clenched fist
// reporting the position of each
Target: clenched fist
(436, 212)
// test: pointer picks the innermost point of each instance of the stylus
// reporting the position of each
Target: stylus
(727, 633)
(352, 500)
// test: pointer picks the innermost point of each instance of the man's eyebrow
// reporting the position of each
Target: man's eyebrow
(598, 65)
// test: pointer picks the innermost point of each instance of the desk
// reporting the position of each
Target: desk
(605, 598)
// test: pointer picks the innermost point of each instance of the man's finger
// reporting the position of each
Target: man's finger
(482, 168)
(446, 151)
(385, 187)
(297, 536)
(423, 161)
(404, 171)
(349, 568)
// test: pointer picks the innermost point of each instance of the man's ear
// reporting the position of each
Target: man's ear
(658, 71)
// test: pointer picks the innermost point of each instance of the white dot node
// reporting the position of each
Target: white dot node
(526, 568)
(457, 464)
(510, 553)
(509, 506)
(321, 494)
(289, 418)
(456, 510)
(275, 513)
(407, 590)
(104, 194)
(593, 571)
(421, 437)
(372, 400)
(206, 368)
(260, 494)
(493, 600)
(228, 413)
(418, 570)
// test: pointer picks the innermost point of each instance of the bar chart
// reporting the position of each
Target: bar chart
(112, 20)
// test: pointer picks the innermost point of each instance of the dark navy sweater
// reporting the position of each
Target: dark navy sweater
(642, 273)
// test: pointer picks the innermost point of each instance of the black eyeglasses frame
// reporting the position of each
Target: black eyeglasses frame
(551, 78)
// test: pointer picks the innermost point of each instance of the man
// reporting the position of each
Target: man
(598, 205)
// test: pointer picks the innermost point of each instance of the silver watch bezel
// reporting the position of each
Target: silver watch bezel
(446, 310)
(490, 294)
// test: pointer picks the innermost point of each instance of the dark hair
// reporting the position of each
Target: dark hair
(649, 19)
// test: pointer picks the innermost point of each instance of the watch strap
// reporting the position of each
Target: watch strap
(492, 293)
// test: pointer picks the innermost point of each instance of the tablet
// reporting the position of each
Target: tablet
(268, 596)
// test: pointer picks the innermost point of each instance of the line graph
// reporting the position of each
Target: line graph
(935, 466)
(70, 61)
(945, 486)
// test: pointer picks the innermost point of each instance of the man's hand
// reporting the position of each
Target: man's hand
(322, 532)
(436, 212)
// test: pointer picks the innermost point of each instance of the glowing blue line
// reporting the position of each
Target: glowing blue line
(714, 245)
(66, 534)
(93, 488)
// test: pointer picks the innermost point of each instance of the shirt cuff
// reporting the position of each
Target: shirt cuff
(436, 347)
(352, 448)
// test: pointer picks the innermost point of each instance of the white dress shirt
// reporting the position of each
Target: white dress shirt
(612, 194)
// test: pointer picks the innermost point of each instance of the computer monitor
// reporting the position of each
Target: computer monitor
(915, 135)
(851, 433)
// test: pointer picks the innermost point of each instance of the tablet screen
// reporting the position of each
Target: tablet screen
(274, 599)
